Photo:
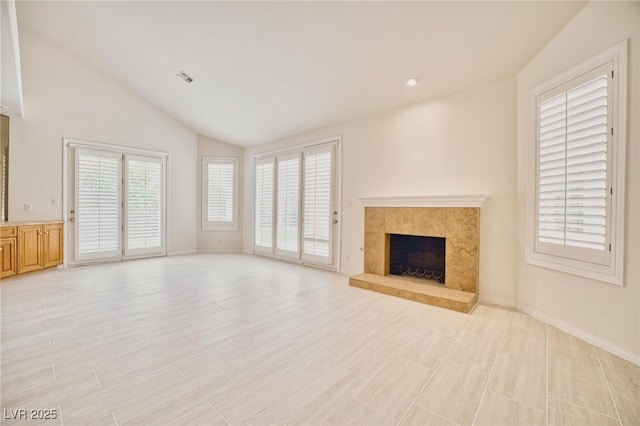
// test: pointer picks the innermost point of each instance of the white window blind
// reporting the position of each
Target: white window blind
(264, 203)
(97, 204)
(318, 206)
(144, 204)
(576, 187)
(573, 166)
(288, 211)
(220, 193)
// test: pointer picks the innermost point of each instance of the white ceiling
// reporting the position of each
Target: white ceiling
(265, 70)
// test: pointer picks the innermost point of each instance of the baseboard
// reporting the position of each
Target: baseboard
(581, 334)
(219, 251)
(496, 301)
(180, 253)
(247, 251)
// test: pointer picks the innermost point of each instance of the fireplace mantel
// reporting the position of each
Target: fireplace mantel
(426, 201)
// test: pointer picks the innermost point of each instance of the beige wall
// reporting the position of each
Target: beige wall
(66, 97)
(461, 144)
(224, 241)
(600, 312)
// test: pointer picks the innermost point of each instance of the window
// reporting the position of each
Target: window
(318, 203)
(219, 194)
(144, 204)
(576, 210)
(116, 202)
(264, 204)
(97, 204)
(288, 210)
(295, 203)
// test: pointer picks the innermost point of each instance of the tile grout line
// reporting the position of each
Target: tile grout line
(546, 342)
(113, 415)
(584, 408)
(435, 371)
(493, 365)
(369, 380)
(276, 417)
(615, 406)
(219, 413)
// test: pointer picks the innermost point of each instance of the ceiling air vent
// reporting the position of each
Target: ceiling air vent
(183, 75)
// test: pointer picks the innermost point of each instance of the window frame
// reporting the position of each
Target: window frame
(219, 225)
(565, 258)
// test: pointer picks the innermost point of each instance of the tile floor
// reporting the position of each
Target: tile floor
(237, 339)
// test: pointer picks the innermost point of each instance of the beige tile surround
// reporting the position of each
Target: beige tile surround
(459, 225)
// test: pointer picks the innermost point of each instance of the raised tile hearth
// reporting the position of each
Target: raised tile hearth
(458, 226)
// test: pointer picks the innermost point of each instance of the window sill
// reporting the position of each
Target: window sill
(568, 266)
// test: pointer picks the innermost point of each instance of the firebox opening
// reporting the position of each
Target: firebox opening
(418, 257)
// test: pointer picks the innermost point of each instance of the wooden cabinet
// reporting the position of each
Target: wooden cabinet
(27, 247)
(8, 251)
(52, 245)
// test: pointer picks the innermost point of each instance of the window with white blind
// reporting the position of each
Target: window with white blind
(143, 205)
(219, 194)
(288, 205)
(295, 203)
(97, 204)
(116, 202)
(579, 174)
(264, 204)
(318, 203)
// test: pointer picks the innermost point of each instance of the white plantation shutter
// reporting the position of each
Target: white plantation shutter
(288, 210)
(573, 175)
(264, 204)
(144, 205)
(97, 204)
(318, 205)
(220, 188)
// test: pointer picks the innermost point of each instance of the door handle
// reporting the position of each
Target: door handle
(71, 219)
(335, 221)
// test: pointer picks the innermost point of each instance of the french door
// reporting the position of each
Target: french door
(116, 204)
(295, 204)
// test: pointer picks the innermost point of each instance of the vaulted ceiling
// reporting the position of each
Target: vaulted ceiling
(264, 70)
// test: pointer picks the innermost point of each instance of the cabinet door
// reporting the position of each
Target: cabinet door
(29, 248)
(52, 245)
(8, 257)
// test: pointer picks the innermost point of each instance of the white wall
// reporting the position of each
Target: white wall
(461, 144)
(600, 312)
(224, 241)
(66, 97)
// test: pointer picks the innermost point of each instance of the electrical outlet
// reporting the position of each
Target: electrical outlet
(27, 207)
(347, 257)
(54, 201)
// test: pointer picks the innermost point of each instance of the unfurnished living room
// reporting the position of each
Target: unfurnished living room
(320, 213)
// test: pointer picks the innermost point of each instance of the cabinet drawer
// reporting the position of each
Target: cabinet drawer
(8, 231)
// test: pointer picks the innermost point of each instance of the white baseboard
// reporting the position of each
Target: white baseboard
(180, 253)
(581, 334)
(247, 251)
(219, 251)
(496, 301)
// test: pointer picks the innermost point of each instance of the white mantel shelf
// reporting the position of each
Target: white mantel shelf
(425, 201)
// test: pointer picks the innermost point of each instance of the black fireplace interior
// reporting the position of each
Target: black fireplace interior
(419, 257)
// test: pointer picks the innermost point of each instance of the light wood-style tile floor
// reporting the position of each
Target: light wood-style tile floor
(238, 339)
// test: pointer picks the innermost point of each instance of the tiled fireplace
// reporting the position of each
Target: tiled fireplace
(429, 251)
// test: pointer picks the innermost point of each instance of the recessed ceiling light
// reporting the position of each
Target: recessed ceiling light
(183, 75)
(412, 81)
